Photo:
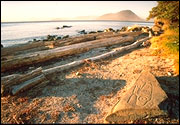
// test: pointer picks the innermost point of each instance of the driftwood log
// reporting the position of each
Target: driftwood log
(95, 36)
(41, 56)
(28, 84)
(15, 79)
(12, 49)
(44, 45)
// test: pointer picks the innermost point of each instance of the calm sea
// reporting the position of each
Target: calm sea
(18, 33)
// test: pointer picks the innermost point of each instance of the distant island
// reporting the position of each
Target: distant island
(125, 15)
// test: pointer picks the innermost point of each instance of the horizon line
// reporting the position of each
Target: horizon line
(71, 21)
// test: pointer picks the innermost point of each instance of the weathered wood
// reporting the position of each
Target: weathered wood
(10, 50)
(36, 57)
(96, 36)
(62, 67)
(99, 57)
(28, 84)
(44, 45)
(118, 50)
(14, 79)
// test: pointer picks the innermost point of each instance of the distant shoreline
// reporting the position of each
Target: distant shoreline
(76, 21)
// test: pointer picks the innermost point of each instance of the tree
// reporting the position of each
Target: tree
(168, 10)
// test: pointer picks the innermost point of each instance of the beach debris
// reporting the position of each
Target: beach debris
(143, 99)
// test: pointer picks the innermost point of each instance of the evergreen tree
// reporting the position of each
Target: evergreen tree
(168, 10)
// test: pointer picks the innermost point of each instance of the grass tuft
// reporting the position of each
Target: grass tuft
(167, 45)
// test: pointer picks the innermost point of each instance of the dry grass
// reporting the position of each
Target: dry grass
(167, 45)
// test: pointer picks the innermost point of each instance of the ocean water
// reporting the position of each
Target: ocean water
(19, 33)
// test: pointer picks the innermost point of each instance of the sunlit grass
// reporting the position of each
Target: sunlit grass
(167, 45)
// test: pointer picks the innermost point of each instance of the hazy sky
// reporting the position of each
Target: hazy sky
(49, 10)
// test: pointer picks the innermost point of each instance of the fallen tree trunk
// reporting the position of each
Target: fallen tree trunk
(95, 36)
(28, 84)
(99, 57)
(8, 81)
(36, 57)
(12, 49)
(42, 45)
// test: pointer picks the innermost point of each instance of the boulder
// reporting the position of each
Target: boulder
(51, 37)
(99, 31)
(67, 36)
(117, 31)
(58, 38)
(82, 32)
(134, 28)
(123, 29)
(92, 32)
(145, 95)
(108, 30)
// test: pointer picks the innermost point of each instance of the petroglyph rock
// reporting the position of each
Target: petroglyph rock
(146, 93)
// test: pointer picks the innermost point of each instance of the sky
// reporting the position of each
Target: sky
(12, 11)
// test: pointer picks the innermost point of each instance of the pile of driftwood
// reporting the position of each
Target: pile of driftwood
(39, 52)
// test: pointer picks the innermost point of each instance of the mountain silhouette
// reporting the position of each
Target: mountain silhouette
(124, 15)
